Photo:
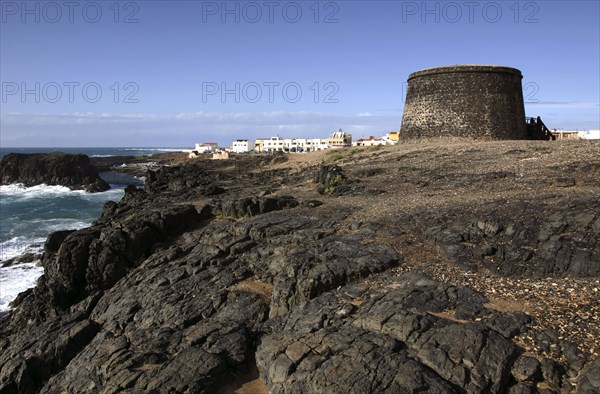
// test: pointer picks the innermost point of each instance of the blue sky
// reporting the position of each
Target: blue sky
(173, 73)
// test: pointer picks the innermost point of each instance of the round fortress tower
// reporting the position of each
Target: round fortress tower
(473, 101)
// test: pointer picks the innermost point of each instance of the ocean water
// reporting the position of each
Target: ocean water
(93, 152)
(29, 214)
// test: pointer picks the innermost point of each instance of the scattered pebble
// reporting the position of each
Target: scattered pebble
(568, 306)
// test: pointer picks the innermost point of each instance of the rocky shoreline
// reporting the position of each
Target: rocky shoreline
(433, 266)
(73, 171)
(136, 166)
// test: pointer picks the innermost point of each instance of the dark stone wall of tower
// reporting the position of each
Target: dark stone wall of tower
(473, 101)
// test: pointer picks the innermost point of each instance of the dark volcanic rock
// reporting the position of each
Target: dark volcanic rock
(198, 178)
(252, 206)
(212, 270)
(303, 258)
(56, 239)
(94, 258)
(527, 368)
(508, 324)
(332, 181)
(73, 171)
(28, 361)
(589, 382)
(107, 163)
(362, 340)
(183, 317)
(544, 239)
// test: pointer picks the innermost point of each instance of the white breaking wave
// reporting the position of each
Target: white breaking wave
(20, 277)
(18, 246)
(154, 149)
(19, 190)
(53, 225)
(14, 280)
(45, 209)
(43, 190)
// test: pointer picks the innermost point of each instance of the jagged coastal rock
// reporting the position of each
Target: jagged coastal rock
(439, 267)
(73, 171)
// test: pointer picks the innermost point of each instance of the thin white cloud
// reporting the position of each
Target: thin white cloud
(182, 129)
(187, 128)
(266, 118)
(565, 104)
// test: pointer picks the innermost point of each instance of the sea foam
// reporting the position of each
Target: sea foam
(28, 215)
(43, 190)
(18, 246)
(14, 280)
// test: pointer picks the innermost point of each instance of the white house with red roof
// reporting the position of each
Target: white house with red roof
(371, 141)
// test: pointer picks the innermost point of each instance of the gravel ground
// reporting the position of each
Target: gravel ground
(431, 175)
(436, 174)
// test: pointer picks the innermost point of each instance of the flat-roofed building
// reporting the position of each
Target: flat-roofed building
(241, 146)
(565, 134)
(590, 135)
(290, 145)
(268, 145)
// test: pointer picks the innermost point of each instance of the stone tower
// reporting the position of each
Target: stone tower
(473, 101)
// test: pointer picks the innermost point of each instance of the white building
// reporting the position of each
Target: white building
(299, 145)
(289, 145)
(590, 135)
(371, 141)
(560, 134)
(206, 147)
(314, 144)
(241, 146)
(273, 144)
